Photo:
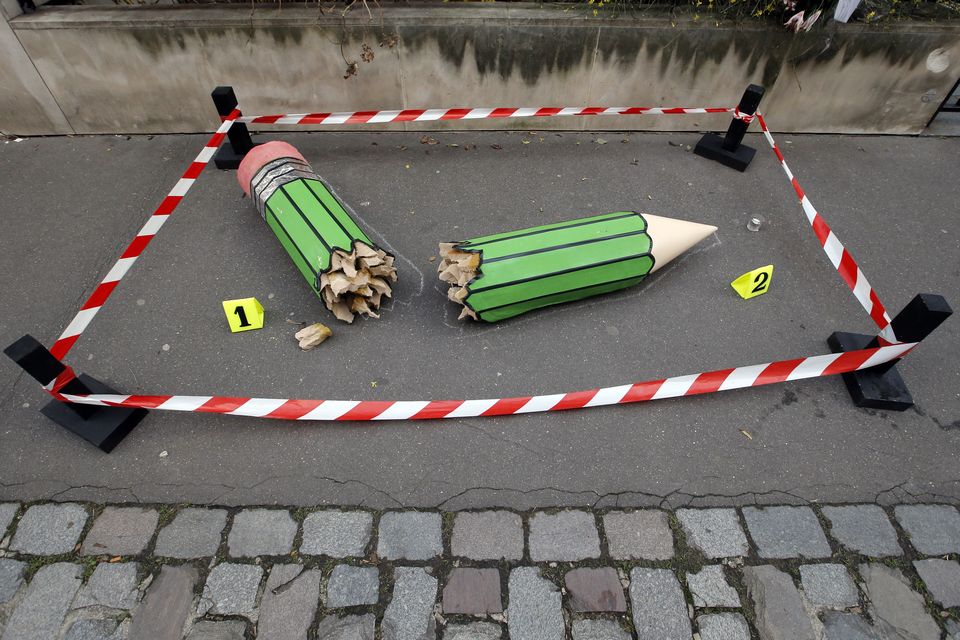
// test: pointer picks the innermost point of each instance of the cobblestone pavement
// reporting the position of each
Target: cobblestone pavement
(847, 572)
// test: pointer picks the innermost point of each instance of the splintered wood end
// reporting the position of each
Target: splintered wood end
(458, 268)
(356, 282)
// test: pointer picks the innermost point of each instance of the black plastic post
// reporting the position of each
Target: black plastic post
(104, 427)
(882, 386)
(728, 150)
(229, 156)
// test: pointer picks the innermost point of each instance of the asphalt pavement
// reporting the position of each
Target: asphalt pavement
(72, 204)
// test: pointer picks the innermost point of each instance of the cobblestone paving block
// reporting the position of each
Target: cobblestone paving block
(338, 534)
(7, 511)
(49, 529)
(347, 627)
(120, 531)
(166, 607)
(194, 533)
(828, 585)
(473, 631)
(894, 603)
(638, 535)
(715, 532)
(659, 607)
(409, 535)
(786, 532)
(231, 589)
(934, 529)
(710, 588)
(535, 611)
(595, 589)
(289, 602)
(95, 629)
(599, 630)
(261, 532)
(723, 626)
(218, 630)
(44, 606)
(776, 601)
(350, 586)
(409, 616)
(110, 585)
(850, 626)
(475, 591)
(11, 577)
(863, 528)
(565, 536)
(942, 578)
(488, 535)
(953, 630)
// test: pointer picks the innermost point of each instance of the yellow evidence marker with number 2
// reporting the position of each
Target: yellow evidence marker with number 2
(243, 314)
(753, 283)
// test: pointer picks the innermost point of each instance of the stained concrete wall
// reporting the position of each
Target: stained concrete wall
(25, 102)
(149, 70)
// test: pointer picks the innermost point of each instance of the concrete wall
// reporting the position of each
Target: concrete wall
(148, 70)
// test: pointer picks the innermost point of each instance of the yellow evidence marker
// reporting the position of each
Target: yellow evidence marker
(243, 314)
(753, 283)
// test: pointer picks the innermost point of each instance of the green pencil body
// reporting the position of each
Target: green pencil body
(520, 271)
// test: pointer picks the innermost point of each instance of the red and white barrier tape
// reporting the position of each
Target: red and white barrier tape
(294, 409)
(353, 410)
(839, 257)
(430, 115)
(90, 308)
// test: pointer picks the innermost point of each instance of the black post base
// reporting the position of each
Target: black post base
(869, 388)
(105, 428)
(711, 147)
(226, 159)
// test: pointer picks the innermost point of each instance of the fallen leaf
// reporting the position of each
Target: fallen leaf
(351, 70)
(296, 323)
(115, 559)
(432, 259)
(373, 384)
(453, 145)
(525, 141)
(746, 433)
(600, 141)
(428, 140)
(496, 146)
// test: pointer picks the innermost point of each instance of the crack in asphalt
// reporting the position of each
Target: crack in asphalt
(674, 499)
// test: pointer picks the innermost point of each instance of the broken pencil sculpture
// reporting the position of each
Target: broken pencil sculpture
(342, 265)
(503, 275)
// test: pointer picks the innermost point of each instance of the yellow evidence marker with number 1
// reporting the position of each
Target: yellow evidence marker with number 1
(243, 314)
(753, 283)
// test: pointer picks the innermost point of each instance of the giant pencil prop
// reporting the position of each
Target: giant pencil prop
(503, 275)
(342, 265)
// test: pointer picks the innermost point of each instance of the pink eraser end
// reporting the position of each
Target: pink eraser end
(261, 155)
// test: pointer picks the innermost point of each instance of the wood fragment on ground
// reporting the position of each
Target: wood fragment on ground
(313, 336)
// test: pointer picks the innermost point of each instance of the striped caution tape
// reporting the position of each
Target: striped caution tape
(93, 304)
(293, 409)
(840, 258)
(430, 115)
(354, 410)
